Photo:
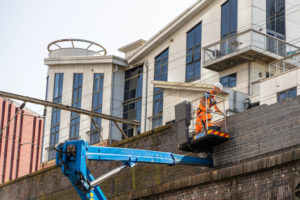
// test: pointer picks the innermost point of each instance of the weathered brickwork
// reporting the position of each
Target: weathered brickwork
(259, 162)
(260, 131)
(276, 183)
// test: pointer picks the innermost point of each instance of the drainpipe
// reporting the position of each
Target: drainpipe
(249, 82)
(146, 97)
(111, 101)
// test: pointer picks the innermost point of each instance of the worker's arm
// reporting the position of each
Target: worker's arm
(217, 109)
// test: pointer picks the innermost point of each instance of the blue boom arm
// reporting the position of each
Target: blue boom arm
(71, 156)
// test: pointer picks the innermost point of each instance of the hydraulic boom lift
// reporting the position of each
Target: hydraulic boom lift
(72, 156)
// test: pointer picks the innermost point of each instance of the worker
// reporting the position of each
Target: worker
(202, 112)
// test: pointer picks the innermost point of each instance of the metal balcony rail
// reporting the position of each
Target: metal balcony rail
(250, 38)
(285, 64)
(216, 117)
(76, 44)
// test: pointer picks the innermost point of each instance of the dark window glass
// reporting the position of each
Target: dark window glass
(97, 101)
(193, 53)
(286, 94)
(55, 119)
(229, 27)
(275, 17)
(76, 102)
(229, 81)
(160, 74)
(133, 97)
(229, 19)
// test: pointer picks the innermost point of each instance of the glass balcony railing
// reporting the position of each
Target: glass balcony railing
(250, 40)
(283, 65)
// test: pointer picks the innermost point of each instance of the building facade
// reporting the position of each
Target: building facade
(227, 41)
(20, 141)
(82, 78)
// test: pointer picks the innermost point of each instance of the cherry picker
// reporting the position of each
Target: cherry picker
(72, 156)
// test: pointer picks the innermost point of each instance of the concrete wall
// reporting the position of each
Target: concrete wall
(261, 161)
(278, 83)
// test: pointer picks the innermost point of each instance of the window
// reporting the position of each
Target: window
(133, 97)
(193, 53)
(55, 119)
(229, 27)
(229, 81)
(275, 17)
(160, 74)
(97, 107)
(287, 94)
(132, 110)
(229, 19)
(76, 102)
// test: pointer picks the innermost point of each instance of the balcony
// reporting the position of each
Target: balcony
(284, 65)
(246, 46)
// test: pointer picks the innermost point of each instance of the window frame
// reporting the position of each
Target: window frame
(193, 50)
(230, 33)
(76, 102)
(279, 100)
(157, 91)
(55, 115)
(133, 74)
(97, 108)
(228, 80)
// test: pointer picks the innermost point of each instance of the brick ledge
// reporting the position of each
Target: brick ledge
(261, 164)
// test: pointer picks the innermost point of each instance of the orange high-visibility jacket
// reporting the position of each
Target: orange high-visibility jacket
(201, 112)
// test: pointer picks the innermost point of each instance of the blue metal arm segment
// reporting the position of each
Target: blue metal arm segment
(72, 155)
(143, 156)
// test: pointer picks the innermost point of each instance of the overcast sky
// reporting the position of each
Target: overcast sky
(28, 26)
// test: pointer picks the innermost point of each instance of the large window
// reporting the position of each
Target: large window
(97, 107)
(275, 17)
(286, 94)
(193, 53)
(229, 19)
(55, 119)
(133, 97)
(76, 102)
(229, 81)
(160, 74)
(229, 27)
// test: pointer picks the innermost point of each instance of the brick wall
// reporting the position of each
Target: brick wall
(260, 161)
(260, 131)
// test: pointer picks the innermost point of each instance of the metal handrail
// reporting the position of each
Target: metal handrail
(246, 31)
(206, 112)
(283, 63)
(72, 40)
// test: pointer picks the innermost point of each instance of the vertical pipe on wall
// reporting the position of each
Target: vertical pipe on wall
(6, 142)
(146, 95)
(2, 123)
(32, 145)
(38, 144)
(249, 74)
(13, 145)
(19, 144)
(111, 103)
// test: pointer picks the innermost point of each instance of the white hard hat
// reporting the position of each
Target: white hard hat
(219, 85)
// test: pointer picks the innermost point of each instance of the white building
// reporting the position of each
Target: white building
(83, 78)
(228, 41)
